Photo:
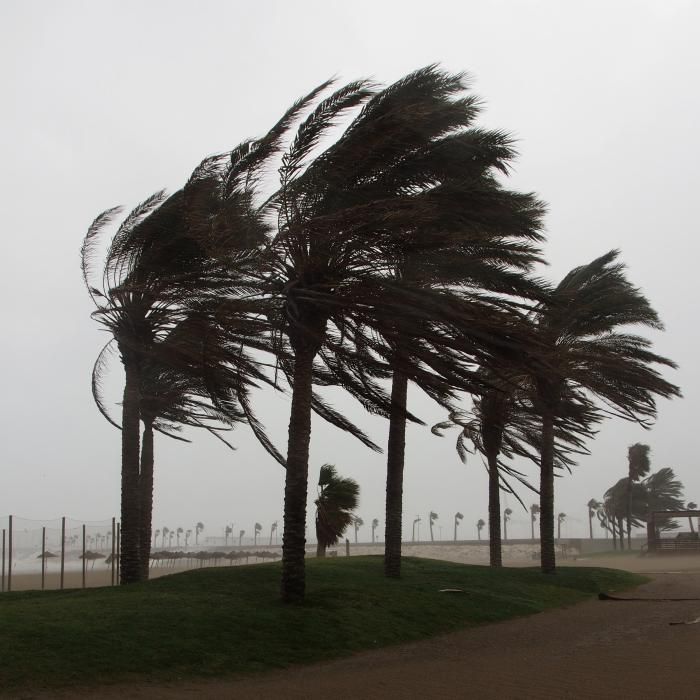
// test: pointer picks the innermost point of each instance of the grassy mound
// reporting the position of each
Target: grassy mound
(230, 620)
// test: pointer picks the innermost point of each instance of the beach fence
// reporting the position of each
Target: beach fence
(63, 552)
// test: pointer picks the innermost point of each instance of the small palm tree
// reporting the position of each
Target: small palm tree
(639, 465)
(171, 534)
(691, 506)
(534, 512)
(415, 522)
(156, 535)
(256, 532)
(337, 499)
(480, 524)
(197, 529)
(593, 508)
(433, 518)
(273, 529)
(188, 534)
(458, 517)
(560, 519)
(375, 525)
(179, 532)
(165, 532)
(357, 524)
(506, 517)
(240, 537)
(227, 533)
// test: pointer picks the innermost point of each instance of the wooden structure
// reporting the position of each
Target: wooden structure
(683, 542)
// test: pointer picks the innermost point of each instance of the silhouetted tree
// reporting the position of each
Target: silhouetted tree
(479, 527)
(593, 507)
(337, 499)
(458, 518)
(639, 465)
(433, 518)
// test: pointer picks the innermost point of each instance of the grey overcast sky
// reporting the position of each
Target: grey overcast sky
(105, 102)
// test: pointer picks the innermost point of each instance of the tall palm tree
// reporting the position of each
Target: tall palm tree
(560, 519)
(256, 531)
(375, 525)
(188, 534)
(639, 465)
(584, 326)
(357, 523)
(534, 512)
(458, 518)
(273, 529)
(433, 518)
(166, 532)
(506, 517)
(660, 491)
(480, 523)
(199, 527)
(227, 533)
(415, 522)
(593, 507)
(337, 498)
(156, 534)
(179, 532)
(240, 537)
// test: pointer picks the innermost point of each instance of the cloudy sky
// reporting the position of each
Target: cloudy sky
(105, 102)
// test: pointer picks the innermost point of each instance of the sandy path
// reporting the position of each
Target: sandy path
(593, 650)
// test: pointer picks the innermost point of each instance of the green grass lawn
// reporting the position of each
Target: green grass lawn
(230, 620)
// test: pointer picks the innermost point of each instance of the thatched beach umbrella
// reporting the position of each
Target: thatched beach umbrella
(92, 556)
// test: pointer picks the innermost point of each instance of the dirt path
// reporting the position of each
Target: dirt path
(598, 649)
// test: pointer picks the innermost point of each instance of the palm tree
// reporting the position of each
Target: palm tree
(240, 537)
(156, 534)
(660, 491)
(375, 525)
(171, 534)
(357, 524)
(691, 506)
(256, 530)
(480, 523)
(165, 531)
(188, 534)
(415, 522)
(227, 533)
(506, 517)
(560, 519)
(433, 518)
(337, 499)
(273, 529)
(639, 465)
(458, 518)
(593, 507)
(583, 325)
(534, 512)
(197, 529)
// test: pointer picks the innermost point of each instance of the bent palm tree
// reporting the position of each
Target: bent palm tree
(480, 523)
(458, 518)
(433, 518)
(691, 506)
(357, 523)
(337, 499)
(582, 325)
(199, 527)
(639, 465)
(375, 525)
(256, 531)
(506, 518)
(273, 529)
(560, 519)
(593, 507)
(534, 512)
(415, 522)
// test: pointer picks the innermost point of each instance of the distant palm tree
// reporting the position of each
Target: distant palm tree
(433, 518)
(691, 506)
(240, 537)
(227, 533)
(188, 534)
(273, 529)
(415, 522)
(480, 524)
(257, 530)
(506, 517)
(560, 519)
(458, 517)
(337, 499)
(165, 531)
(171, 534)
(593, 508)
(179, 532)
(357, 524)
(375, 525)
(156, 535)
(534, 512)
(198, 528)
(639, 465)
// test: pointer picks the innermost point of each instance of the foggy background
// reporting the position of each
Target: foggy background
(103, 103)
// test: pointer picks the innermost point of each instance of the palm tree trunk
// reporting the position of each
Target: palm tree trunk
(320, 549)
(146, 495)
(130, 562)
(629, 511)
(621, 528)
(590, 523)
(547, 553)
(614, 533)
(495, 557)
(532, 527)
(296, 481)
(394, 475)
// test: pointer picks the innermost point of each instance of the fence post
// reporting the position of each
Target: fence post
(63, 547)
(83, 555)
(3, 560)
(43, 556)
(9, 558)
(118, 549)
(114, 544)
